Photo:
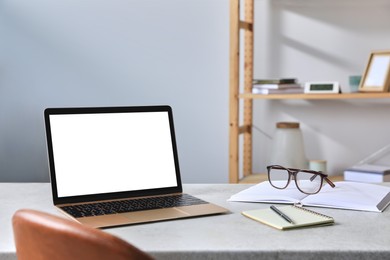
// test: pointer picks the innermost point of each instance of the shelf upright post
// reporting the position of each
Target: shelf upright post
(248, 79)
(234, 91)
(234, 129)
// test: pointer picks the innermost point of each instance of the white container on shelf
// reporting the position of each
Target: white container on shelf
(288, 147)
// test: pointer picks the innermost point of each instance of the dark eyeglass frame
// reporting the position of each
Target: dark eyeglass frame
(293, 172)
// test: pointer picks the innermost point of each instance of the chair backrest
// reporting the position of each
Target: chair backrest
(43, 236)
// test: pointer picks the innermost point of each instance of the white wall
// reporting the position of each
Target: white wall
(316, 41)
(114, 53)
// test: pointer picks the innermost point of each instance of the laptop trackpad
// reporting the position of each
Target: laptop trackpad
(154, 215)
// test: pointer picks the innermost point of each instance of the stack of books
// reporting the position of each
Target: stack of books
(367, 173)
(276, 86)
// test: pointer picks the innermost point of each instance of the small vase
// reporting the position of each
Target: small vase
(288, 147)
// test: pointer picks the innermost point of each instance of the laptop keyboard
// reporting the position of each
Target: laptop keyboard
(122, 206)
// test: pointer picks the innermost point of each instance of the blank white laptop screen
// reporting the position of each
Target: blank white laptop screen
(112, 152)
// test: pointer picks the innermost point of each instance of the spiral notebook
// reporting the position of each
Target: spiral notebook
(301, 217)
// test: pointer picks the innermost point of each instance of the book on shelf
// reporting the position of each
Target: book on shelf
(277, 86)
(275, 81)
(346, 195)
(297, 90)
(367, 173)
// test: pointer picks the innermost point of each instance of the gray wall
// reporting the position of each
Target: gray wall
(114, 53)
(126, 52)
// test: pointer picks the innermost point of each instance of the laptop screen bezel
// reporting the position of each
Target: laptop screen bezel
(112, 195)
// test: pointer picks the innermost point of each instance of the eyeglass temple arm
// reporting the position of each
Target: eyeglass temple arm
(326, 179)
(330, 182)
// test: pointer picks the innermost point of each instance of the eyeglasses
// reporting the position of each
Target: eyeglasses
(307, 181)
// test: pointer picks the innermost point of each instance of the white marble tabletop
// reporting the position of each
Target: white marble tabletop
(355, 235)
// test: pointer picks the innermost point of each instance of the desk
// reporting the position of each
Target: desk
(356, 235)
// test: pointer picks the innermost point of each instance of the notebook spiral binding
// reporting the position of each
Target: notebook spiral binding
(313, 212)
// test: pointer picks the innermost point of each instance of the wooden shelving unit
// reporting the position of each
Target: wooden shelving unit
(235, 129)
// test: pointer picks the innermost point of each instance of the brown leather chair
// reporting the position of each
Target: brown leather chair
(43, 236)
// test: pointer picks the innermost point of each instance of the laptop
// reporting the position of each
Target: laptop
(114, 166)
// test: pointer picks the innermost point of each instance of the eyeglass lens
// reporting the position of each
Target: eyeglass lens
(306, 182)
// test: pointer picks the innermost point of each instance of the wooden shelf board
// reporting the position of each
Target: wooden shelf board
(260, 177)
(316, 96)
